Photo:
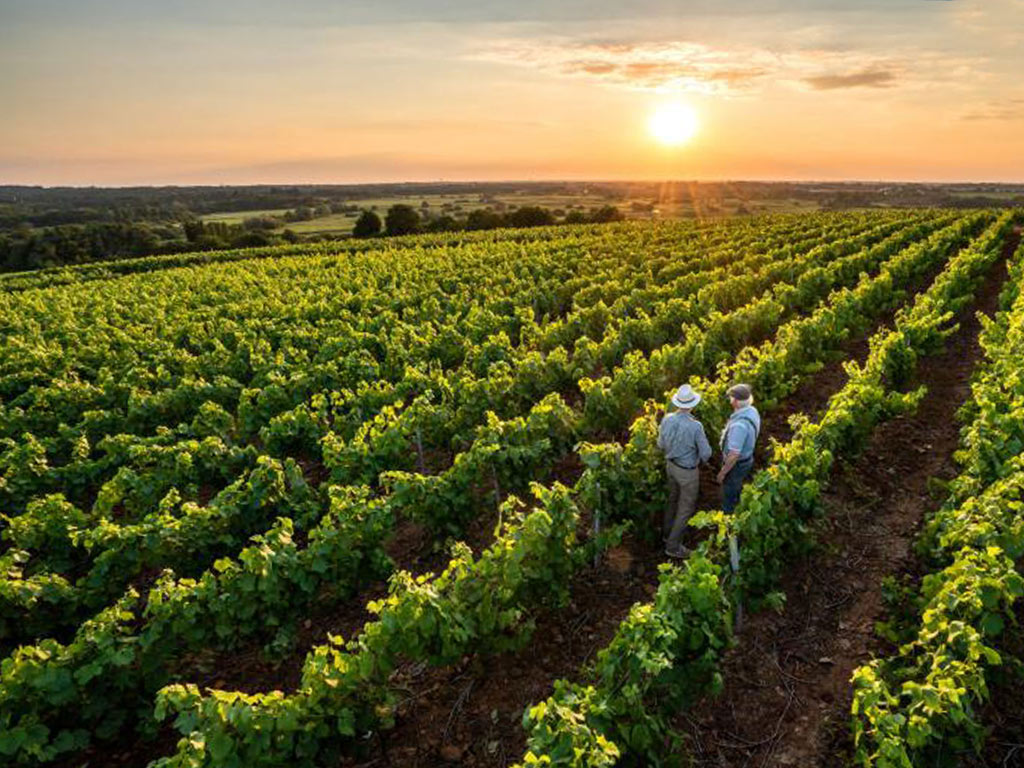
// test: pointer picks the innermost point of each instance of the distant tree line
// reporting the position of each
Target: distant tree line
(28, 248)
(215, 235)
(54, 206)
(34, 248)
(403, 219)
(50, 206)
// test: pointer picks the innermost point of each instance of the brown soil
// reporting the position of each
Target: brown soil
(411, 547)
(131, 752)
(787, 695)
(471, 713)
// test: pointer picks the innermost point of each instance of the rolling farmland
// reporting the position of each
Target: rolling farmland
(391, 502)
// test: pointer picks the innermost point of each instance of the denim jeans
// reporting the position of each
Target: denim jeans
(733, 484)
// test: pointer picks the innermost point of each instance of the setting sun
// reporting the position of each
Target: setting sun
(673, 123)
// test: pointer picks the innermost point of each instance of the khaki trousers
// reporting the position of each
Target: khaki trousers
(683, 485)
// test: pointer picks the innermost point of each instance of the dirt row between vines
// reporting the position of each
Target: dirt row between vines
(787, 694)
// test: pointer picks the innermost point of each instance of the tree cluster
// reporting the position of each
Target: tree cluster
(403, 219)
(28, 248)
(214, 235)
(34, 248)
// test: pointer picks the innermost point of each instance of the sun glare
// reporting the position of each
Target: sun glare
(673, 123)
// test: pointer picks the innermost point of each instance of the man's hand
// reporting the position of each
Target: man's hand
(730, 461)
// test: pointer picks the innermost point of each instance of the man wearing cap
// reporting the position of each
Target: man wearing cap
(738, 439)
(685, 445)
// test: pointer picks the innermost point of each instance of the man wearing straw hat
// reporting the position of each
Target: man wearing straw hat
(681, 437)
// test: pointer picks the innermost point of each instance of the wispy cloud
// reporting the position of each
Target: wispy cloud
(692, 67)
(725, 69)
(1008, 110)
(998, 21)
(868, 78)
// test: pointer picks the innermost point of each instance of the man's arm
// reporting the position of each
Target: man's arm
(730, 461)
(703, 446)
(733, 443)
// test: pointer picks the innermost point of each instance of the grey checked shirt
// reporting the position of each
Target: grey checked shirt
(682, 439)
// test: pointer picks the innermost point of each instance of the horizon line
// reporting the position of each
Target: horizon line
(412, 182)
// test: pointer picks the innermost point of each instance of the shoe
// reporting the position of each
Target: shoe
(678, 554)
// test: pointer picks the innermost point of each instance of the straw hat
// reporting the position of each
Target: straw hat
(685, 397)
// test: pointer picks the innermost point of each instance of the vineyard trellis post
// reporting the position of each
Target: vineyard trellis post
(497, 488)
(734, 564)
(419, 450)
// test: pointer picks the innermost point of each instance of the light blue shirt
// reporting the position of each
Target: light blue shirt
(741, 431)
(683, 440)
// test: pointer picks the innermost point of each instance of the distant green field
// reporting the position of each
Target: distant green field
(336, 223)
(237, 217)
(969, 194)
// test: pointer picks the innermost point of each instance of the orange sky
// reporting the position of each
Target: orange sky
(244, 91)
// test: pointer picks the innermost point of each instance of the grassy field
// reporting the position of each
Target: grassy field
(237, 217)
(336, 223)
